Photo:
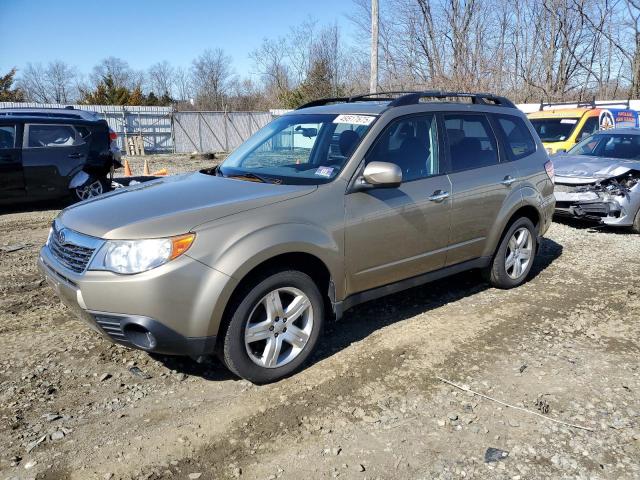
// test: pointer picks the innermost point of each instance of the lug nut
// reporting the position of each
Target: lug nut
(284, 320)
(284, 329)
(271, 329)
(276, 335)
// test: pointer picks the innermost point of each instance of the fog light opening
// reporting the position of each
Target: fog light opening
(140, 336)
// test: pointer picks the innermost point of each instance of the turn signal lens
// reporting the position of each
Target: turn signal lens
(181, 244)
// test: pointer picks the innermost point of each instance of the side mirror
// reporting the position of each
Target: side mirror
(379, 175)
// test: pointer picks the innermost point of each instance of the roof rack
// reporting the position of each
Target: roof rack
(476, 98)
(412, 98)
(584, 104)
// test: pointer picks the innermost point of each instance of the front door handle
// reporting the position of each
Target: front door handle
(438, 196)
(75, 155)
(508, 180)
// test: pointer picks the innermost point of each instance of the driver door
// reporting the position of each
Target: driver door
(392, 234)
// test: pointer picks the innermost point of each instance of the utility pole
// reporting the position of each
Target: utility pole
(373, 81)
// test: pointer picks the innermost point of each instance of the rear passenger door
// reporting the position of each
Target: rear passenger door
(51, 155)
(11, 178)
(481, 180)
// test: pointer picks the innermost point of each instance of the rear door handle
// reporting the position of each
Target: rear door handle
(75, 155)
(508, 180)
(438, 196)
(5, 157)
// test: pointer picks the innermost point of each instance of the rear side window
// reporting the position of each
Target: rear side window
(517, 138)
(40, 136)
(470, 141)
(7, 136)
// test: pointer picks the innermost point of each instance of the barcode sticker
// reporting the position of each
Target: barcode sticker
(355, 119)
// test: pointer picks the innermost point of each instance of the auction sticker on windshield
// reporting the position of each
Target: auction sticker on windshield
(324, 171)
(355, 119)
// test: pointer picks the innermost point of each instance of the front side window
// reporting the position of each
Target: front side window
(554, 129)
(609, 145)
(40, 136)
(517, 137)
(412, 144)
(7, 136)
(298, 149)
(470, 141)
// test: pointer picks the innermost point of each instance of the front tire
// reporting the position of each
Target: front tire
(635, 228)
(513, 260)
(274, 327)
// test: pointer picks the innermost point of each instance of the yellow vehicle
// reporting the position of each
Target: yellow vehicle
(560, 128)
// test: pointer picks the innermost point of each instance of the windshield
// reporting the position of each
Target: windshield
(298, 149)
(554, 129)
(609, 145)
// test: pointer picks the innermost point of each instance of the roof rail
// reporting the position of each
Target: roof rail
(585, 104)
(476, 98)
(413, 97)
(354, 98)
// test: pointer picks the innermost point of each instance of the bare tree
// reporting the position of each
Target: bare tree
(161, 79)
(119, 70)
(211, 73)
(53, 83)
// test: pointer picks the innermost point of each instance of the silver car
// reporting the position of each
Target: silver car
(599, 179)
(337, 203)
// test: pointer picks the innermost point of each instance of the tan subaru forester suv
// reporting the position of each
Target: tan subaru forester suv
(334, 204)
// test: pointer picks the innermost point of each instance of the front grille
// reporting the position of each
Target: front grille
(74, 257)
(111, 326)
(72, 249)
(571, 188)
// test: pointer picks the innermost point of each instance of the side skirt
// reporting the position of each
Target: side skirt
(357, 298)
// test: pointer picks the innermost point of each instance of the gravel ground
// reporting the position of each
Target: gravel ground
(370, 405)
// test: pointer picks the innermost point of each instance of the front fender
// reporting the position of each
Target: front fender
(232, 250)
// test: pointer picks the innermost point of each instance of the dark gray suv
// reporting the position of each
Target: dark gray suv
(334, 204)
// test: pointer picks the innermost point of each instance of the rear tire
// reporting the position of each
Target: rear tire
(92, 188)
(514, 258)
(274, 327)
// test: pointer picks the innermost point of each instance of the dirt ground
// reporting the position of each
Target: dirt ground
(369, 405)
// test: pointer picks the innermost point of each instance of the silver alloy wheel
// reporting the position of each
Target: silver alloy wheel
(279, 327)
(90, 190)
(519, 253)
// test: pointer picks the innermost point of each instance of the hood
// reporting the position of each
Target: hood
(172, 206)
(582, 169)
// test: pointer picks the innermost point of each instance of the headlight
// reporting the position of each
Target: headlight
(136, 256)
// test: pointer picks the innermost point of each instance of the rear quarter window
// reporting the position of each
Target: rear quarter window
(516, 136)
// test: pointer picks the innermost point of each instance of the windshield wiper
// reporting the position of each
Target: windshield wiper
(253, 176)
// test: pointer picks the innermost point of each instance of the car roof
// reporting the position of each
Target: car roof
(51, 113)
(621, 131)
(560, 113)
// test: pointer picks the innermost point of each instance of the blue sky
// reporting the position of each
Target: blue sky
(143, 32)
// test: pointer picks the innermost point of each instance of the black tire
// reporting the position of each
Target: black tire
(234, 352)
(497, 272)
(92, 188)
(635, 228)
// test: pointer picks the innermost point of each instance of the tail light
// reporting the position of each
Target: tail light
(550, 170)
(112, 135)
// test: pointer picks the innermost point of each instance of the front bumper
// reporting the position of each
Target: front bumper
(174, 309)
(594, 206)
